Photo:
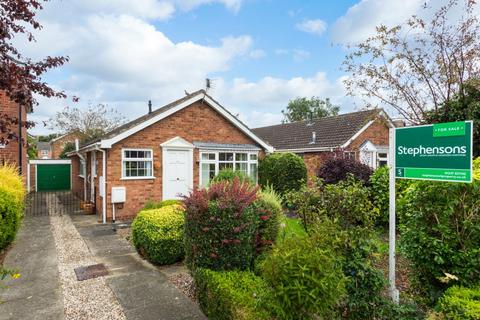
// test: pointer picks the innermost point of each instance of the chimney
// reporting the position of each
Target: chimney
(314, 137)
(149, 106)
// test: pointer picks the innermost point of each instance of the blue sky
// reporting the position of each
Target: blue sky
(260, 53)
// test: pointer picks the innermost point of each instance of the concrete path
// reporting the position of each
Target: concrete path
(37, 294)
(142, 290)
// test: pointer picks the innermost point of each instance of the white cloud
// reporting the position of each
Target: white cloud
(316, 27)
(360, 20)
(257, 54)
(233, 5)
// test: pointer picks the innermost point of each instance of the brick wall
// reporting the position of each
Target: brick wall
(57, 146)
(197, 122)
(10, 152)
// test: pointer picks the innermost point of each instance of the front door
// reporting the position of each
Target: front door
(177, 173)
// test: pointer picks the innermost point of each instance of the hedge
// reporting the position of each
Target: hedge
(12, 193)
(158, 234)
(283, 171)
(239, 295)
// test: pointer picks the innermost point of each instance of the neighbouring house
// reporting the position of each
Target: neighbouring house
(162, 155)
(54, 148)
(15, 151)
(44, 151)
(359, 135)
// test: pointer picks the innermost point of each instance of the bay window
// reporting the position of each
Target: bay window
(211, 163)
(137, 164)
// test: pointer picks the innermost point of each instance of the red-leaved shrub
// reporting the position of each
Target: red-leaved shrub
(337, 169)
(220, 226)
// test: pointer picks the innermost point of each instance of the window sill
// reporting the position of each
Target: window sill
(83, 177)
(137, 178)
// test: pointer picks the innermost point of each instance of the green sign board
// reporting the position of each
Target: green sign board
(441, 152)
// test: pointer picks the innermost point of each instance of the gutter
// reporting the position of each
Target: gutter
(104, 179)
(306, 150)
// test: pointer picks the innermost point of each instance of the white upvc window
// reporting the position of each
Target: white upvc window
(81, 169)
(212, 162)
(137, 164)
(382, 159)
(349, 155)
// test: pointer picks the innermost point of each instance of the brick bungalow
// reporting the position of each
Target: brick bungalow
(359, 135)
(14, 152)
(163, 154)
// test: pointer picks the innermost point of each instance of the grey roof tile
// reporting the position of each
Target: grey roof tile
(331, 132)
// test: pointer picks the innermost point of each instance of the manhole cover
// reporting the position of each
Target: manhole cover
(91, 272)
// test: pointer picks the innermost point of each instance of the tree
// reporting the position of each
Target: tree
(69, 147)
(20, 76)
(93, 122)
(419, 66)
(462, 106)
(314, 108)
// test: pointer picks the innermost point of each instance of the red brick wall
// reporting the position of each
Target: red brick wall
(57, 146)
(377, 133)
(10, 152)
(33, 169)
(197, 122)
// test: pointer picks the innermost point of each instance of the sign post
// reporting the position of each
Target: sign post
(438, 152)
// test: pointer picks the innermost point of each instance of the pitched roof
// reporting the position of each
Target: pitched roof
(330, 132)
(158, 114)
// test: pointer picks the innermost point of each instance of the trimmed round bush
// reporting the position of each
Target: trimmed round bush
(283, 171)
(338, 169)
(12, 195)
(230, 175)
(220, 226)
(158, 234)
(269, 210)
(307, 280)
(460, 303)
(160, 204)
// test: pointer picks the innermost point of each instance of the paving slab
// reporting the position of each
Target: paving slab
(142, 290)
(37, 294)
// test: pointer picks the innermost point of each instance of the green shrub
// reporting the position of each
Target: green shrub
(283, 171)
(460, 303)
(230, 175)
(379, 190)
(238, 295)
(220, 226)
(12, 195)
(150, 204)
(441, 234)
(158, 234)
(347, 202)
(307, 279)
(269, 209)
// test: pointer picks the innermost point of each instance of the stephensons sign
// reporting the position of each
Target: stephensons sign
(440, 152)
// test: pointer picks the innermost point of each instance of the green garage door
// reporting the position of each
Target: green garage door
(53, 177)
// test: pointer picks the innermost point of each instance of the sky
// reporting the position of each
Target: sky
(259, 53)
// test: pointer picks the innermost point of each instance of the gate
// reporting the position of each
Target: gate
(51, 203)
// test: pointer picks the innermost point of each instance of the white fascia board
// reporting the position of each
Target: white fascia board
(238, 124)
(107, 143)
(305, 150)
(47, 161)
(356, 135)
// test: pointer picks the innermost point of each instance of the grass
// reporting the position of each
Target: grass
(293, 228)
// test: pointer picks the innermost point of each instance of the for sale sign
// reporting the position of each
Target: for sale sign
(441, 152)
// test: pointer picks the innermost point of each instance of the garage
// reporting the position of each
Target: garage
(50, 175)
